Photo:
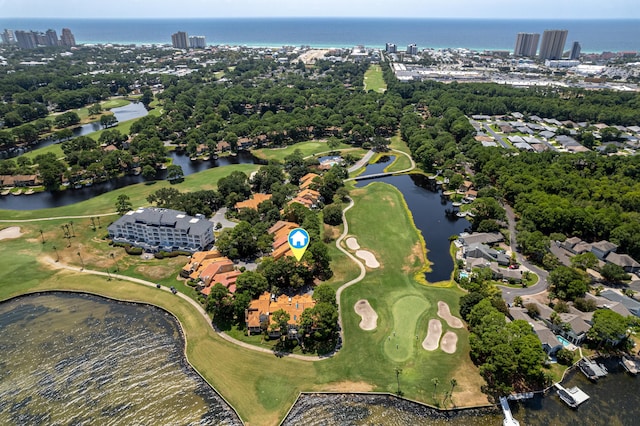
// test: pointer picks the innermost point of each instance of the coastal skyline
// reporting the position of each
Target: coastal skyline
(466, 9)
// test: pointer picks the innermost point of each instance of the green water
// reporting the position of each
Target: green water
(79, 359)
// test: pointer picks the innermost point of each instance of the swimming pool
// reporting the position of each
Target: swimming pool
(565, 342)
(464, 274)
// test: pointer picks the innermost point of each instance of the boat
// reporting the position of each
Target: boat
(18, 192)
(573, 397)
(205, 158)
(456, 204)
(29, 192)
(630, 364)
(193, 158)
(5, 192)
(592, 369)
(461, 214)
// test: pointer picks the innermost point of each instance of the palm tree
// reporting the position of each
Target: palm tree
(454, 383)
(398, 371)
(435, 382)
(73, 231)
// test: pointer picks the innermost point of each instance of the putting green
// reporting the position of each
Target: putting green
(400, 345)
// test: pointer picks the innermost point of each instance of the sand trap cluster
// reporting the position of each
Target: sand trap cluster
(445, 314)
(369, 258)
(10, 233)
(352, 243)
(449, 342)
(430, 342)
(369, 318)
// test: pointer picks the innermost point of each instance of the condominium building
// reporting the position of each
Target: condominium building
(67, 38)
(391, 48)
(552, 45)
(8, 37)
(26, 39)
(51, 38)
(155, 229)
(526, 44)
(180, 40)
(412, 49)
(197, 42)
(575, 51)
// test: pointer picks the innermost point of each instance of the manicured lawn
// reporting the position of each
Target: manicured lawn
(374, 80)
(55, 148)
(401, 162)
(307, 149)
(124, 127)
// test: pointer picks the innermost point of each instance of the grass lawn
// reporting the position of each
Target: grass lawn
(55, 148)
(374, 79)
(401, 162)
(124, 127)
(260, 386)
(307, 149)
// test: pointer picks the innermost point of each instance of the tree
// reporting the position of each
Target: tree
(332, 214)
(174, 173)
(584, 260)
(333, 143)
(148, 172)
(123, 204)
(280, 321)
(322, 319)
(435, 381)
(564, 356)
(609, 327)
(324, 293)
(66, 119)
(252, 283)
(147, 97)
(569, 283)
(95, 109)
(218, 301)
(108, 120)
(614, 273)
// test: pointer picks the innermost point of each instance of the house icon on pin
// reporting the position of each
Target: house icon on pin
(298, 239)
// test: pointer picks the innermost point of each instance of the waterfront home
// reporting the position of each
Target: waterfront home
(258, 314)
(602, 249)
(479, 250)
(253, 202)
(488, 238)
(631, 304)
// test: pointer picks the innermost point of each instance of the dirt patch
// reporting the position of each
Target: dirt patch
(331, 232)
(348, 387)
(414, 259)
(369, 258)
(369, 318)
(445, 314)
(155, 273)
(352, 243)
(10, 233)
(449, 342)
(430, 342)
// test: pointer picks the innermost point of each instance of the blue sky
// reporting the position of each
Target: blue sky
(507, 9)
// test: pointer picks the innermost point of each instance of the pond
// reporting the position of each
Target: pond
(69, 358)
(43, 200)
(428, 208)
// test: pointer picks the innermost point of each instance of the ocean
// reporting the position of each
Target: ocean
(593, 35)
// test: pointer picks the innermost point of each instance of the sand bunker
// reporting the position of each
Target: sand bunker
(369, 318)
(430, 342)
(445, 314)
(10, 233)
(449, 342)
(352, 243)
(369, 258)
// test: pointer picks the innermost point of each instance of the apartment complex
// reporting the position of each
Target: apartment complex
(33, 39)
(197, 42)
(180, 40)
(155, 229)
(527, 44)
(552, 45)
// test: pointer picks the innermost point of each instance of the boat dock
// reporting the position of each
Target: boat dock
(592, 369)
(508, 418)
(573, 397)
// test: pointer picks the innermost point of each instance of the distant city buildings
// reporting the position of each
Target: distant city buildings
(180, 40)
(391, 48)
(197, 42)
(575, 51)
(33, 39)
(527, 45)
(412, 49)
(552, 45)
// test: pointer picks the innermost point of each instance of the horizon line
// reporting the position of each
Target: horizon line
(327, 17)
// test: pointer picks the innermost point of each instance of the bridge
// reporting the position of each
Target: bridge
(384, 174)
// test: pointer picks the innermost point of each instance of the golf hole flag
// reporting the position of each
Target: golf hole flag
(298, 241)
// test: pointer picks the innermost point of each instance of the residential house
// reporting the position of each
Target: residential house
(626, 262)
(258, 314)
(505, 273)
(631, 304)
(18, 180)
(480, 237)
(253, 202)
(223, 146)
(479, 250)
(548, 340)
(198, 261)
(280, 231)
(602, 249)
(307, 180)
(208, 274)
(307, 197)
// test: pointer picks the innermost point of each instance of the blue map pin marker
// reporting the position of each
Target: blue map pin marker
(298, 242)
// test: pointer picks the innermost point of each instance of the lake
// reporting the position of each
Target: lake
(68, 358)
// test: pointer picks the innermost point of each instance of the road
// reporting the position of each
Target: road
(497, 137)
(508, 293)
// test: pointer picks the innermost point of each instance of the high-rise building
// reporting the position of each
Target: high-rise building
(412, 49)
(391, 48)
(197, 42)
(552, 45)
(51, 38)
(8, 37)
(575, 51)
(526, 44)
(180, 40)
(67, 38)
(26, 39)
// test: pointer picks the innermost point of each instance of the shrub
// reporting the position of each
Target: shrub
(135, 251)
(564, 356)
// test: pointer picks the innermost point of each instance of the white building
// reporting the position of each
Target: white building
(197, 42)
(155, 229)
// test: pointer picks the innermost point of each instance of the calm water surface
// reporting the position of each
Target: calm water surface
(84, 360)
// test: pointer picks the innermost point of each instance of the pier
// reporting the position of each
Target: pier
(508, 417)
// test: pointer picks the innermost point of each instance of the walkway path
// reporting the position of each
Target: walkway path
(89, 216)
(377, 175)
(361, 162)
(509, 293)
